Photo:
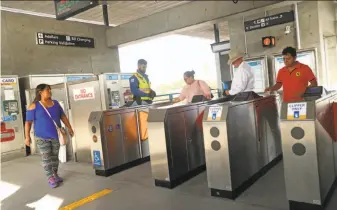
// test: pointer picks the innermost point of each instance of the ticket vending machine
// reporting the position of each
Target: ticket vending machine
(260, 67)
(12, 131)
(307, 56)
(115, 90)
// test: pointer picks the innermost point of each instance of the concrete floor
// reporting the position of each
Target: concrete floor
(132, 189)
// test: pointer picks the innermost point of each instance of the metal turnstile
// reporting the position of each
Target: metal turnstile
(176, 143)
(119, 138)
(242, 141)
(12, 131)
(309, 150)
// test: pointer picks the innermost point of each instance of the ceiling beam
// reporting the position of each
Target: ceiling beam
(186, 15)
(40, 14)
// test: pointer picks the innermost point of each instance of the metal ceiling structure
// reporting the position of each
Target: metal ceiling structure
(119, 12)
(207, 31)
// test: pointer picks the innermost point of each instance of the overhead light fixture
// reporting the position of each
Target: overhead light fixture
(8, 9)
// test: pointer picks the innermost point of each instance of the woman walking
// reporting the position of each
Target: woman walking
(46, 114)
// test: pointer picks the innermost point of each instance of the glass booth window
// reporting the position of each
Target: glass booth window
(259, 71)
(307, 58)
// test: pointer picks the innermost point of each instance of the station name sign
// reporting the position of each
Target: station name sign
(67, 8)
(268, 21)
(64, 40)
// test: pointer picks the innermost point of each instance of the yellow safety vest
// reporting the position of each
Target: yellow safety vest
(143, 86)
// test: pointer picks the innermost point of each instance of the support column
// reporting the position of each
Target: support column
(105, 13)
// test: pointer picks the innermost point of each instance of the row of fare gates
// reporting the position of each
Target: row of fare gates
(238, 138)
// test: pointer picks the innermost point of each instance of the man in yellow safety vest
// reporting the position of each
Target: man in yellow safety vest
(140, 86)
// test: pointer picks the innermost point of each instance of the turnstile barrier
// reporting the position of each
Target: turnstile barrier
(119, 138)
(176, 143)
(309, 151)
(242, 141)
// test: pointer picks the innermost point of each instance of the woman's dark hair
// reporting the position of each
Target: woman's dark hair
(290, 50)
(39, 89)
(189, 74)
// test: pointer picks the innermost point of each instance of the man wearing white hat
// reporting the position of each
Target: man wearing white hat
(243, 79)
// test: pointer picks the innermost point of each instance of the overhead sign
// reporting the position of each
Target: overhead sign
(78, 77)
(297, 111)
(268, 21)
(84, 94)
(126, 76)
(64, 40)
(8, 81)
(214, 113)
(67, 8)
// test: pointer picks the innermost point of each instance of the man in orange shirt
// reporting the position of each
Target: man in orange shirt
(294, 77)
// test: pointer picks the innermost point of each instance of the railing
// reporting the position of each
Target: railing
(169, 97)
(165, 97)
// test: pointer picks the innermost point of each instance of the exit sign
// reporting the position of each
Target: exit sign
(67, 8)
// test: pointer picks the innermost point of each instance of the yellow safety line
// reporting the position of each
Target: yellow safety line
(86, 200)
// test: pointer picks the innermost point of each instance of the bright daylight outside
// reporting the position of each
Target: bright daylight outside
(168, 58)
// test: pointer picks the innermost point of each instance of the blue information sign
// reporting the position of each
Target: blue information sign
(111, 77)
(97, 158)
(126, 76)
(78, 77)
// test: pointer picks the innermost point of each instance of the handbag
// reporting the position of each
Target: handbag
(212, 96)
(62, 135)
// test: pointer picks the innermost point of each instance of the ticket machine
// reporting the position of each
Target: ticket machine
(115, 91)
(12, 132)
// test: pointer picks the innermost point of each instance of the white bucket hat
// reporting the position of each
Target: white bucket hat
(234, 55)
